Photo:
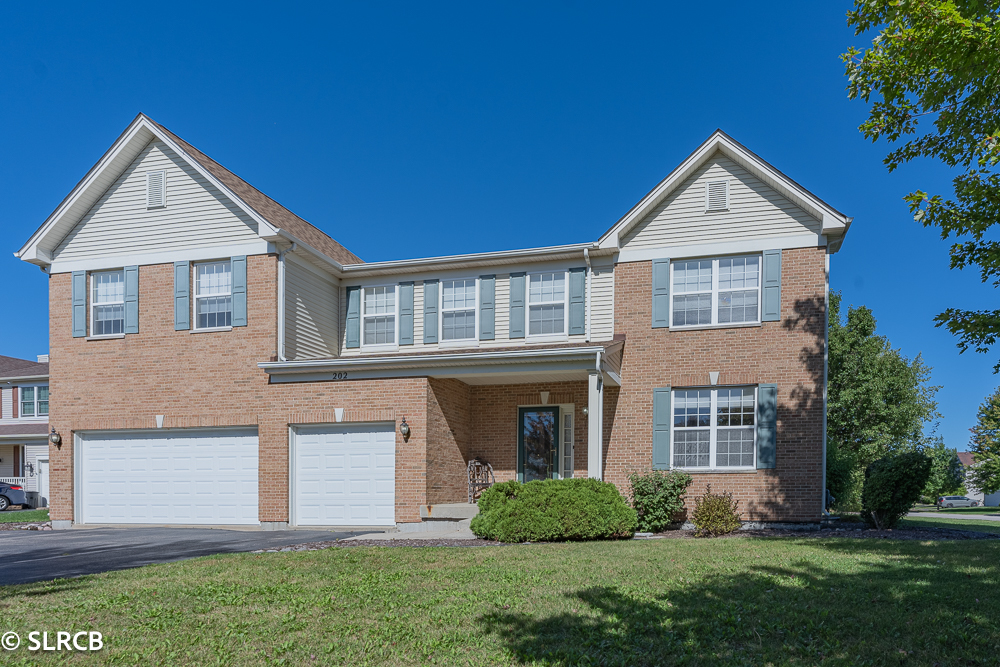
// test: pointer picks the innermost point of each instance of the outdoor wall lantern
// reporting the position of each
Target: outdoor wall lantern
(404, 429)
(586, 412)
(55, 438)
(30, 469)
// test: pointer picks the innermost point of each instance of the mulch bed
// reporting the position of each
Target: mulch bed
(28, 525)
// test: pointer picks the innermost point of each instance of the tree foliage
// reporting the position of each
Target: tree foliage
(892, 485)
(878, 401)
(985, 446)
(934, 71)
(947, 475)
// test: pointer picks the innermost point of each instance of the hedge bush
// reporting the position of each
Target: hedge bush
(715, 514)
(892, 485)
(657, 495)
(553, 510)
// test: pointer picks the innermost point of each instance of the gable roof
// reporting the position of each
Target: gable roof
(966, 459)
(12, 367)
(835, 223)
(276, 222)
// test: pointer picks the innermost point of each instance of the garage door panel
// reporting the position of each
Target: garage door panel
(345, 475)
(199, 477)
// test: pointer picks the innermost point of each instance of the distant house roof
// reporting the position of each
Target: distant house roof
(12, 367)
(966, 458)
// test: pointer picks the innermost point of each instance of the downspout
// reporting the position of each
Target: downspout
(281, 300)
(586, 258)
(826, 372)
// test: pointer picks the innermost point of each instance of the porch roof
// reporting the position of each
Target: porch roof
(35, 431)
(500, 365)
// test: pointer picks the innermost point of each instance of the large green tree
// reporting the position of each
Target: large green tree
(932, 76)
(946, 476)
(878, 401)
(985, 445)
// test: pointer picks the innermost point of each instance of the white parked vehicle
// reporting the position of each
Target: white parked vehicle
(956, 501)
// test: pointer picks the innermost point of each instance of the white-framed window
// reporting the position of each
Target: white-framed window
(213, 295)
(156, 189)
(458, 309)
(35, 401)
(717, 196)
(379, 315)
(566, 437)
(714, 428)
(547, 303)
(107, 303)
(723, 290)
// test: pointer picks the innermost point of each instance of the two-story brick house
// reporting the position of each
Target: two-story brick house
(24, 426)
(218, 360)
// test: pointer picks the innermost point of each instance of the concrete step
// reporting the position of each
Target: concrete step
(448, 511)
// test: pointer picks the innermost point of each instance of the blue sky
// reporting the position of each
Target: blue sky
(407, 130)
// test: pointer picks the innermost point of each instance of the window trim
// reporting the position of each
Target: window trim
(715, 291)
(713, 429)
(35, 401)
(194, 295)
(93, 304)
(564, 334)
(475, 333)
(394, 345)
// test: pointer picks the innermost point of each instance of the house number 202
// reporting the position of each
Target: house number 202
(340, 376)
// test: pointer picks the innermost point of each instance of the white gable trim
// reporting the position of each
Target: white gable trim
(834, 223)
(718, 249)
(111, 165)
(260, 247)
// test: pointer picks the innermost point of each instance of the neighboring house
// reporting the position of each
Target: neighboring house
(218, 360)
(987, 499)
(24, 426)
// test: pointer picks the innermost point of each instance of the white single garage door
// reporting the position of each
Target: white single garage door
(345, 475)
(180, 476)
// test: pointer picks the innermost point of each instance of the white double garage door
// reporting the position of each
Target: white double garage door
(340, 476)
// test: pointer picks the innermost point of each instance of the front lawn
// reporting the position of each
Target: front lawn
(33, 516)
(737, 601)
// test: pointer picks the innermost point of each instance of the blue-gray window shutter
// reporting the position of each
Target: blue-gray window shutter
(661, 428)
(431, 311)
(79, 304)
(767, 425)
(517, 305)
(577, 302)
(353, 325)
(239, 265)
(182, 296)
(771, 306)
(131, 299)
(406, 313)
(487, 307)
(661, 293)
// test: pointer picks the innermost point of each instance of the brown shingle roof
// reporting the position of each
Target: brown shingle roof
(270, 210)
(11, 367)
(24, 429)
(966, 458)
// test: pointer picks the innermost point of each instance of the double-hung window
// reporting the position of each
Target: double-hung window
(107, 303)
(35, 401)
(213, 295)
(458, 309)
(547, 304)
(706, 292)
(714, 428)
(380, 315)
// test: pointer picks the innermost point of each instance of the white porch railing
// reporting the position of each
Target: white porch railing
(12, 480)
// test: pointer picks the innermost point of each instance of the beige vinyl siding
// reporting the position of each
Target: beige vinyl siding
(6, 403)
(31, 455)
(602, 303)
(311, 314)
(7, 460)
(755, 211)
(196, 215)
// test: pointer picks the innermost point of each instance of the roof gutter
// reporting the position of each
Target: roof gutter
(23, 378)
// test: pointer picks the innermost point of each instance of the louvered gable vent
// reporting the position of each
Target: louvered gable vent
(156, 189)
(717, 196)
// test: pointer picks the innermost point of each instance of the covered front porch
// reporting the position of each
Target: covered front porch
(24, 460)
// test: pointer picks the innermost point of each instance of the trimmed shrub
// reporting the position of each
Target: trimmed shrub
(658, 495)
(892, 485)
(715, 514)
(553, 510)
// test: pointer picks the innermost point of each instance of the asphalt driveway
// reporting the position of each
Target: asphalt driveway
(27, 556)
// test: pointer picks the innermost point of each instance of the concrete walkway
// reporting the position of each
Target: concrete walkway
(955, 515)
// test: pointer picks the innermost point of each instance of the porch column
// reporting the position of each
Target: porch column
(595, 427)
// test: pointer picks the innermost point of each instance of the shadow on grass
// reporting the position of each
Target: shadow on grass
(873, 603)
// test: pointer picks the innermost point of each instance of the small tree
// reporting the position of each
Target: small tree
(892, 485)
(947, 475)
(985, 445)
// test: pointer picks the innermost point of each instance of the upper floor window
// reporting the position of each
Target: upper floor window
(714, 428)
(107, 303)
(547, 304)
(35, 401)
(213, 295)
(379, 318)
(715, 291)
(458, 309)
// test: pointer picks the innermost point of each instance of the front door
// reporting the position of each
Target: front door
(538, 440)
(43, 482)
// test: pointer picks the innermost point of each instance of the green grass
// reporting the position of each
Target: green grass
(31, 515)
(977, 525)
(743, 601)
